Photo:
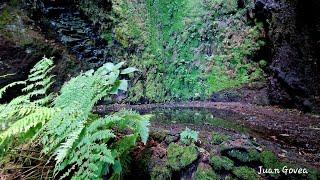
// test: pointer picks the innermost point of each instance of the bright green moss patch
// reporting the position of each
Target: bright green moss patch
(221, 163)
(245, 173)
(5, 18)
(181, 156)
(205, 173)
(250, 156)
(219, 138)
(185, 49)
(160, 173)
(269, 160)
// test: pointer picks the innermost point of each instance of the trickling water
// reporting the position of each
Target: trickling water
(77, 33)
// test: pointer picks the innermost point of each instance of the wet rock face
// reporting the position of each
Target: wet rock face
(254, 93)
(63, 22)
(15, 61)
(294, 34)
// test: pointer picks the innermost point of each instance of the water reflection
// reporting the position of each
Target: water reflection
(199, 117)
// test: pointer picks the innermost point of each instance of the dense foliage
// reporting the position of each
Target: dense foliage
(188, 136)
(27, 112)
(75, 136)
(185, 49)
(83, 145)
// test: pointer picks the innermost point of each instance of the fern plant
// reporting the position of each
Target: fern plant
(29, 110)
(98, 147)
(80, 141)
(188, 136)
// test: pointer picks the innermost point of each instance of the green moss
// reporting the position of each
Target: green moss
(229, 177)
(219, 138)
(231, 68)
(250, 156)
(181, 156)
(205, 174)
(5, 18)
(269, 160)
(160, 173)
(313, 175)
(263, 63)
(181, 47)
(254, 155)
(221, 163)
(245, 173)
(158, 135)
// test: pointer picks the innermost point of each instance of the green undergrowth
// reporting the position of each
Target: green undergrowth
(233, 163)
(80, 143)
(205, 173)
(181, 156)
(245, 173)
(184, 49)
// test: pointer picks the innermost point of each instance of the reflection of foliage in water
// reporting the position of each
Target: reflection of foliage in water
(194, 117)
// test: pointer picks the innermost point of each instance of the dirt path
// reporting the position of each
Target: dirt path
(288, 127)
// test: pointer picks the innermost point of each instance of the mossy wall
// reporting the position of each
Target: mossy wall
(185, 49)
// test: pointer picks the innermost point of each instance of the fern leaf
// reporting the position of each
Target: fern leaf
(143, 130)
(5, 88)
(40, 116)
(62, 151)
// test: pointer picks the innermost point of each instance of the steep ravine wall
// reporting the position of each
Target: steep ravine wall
(292, 49)
(293, 28)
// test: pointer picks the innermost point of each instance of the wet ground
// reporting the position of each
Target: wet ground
(290, 134)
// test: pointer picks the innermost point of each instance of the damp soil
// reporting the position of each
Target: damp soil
(291, 134)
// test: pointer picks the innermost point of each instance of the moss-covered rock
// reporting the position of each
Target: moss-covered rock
(244, 156)
(158, 135)
(160, 172)
(219, 138)
(245, 173)
(254, 155)
(205, 172)
(181, 156)
(269, 160)
(221, 163)
(313, 174)
(229, 177)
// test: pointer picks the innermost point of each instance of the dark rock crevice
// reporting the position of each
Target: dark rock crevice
(293, 33)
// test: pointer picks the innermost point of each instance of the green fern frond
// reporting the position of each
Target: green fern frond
(39, 116)
(80, 141)
(64, 148)
(5, 88)
(30, 109)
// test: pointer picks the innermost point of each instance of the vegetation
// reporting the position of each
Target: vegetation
(185, 50)
(181, 156)
(268, 159)
(182, 50)
(205, 173)
(71, 132)
(218, 138)
(221, 163)
(26, 113)
(188, 136)
(160, 172)
(242, 156)
(245, 173)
